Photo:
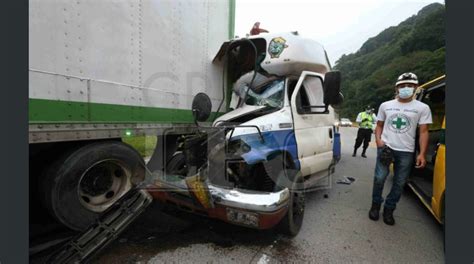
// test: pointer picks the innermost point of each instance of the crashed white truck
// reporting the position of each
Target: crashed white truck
(253, 165)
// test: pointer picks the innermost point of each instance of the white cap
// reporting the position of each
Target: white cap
(407, 77)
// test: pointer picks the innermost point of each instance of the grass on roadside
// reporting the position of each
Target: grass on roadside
(145, 145)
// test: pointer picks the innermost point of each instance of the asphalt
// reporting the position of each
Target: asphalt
(336, 229)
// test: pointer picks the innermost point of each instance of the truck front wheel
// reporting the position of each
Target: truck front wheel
(86, 181)
(291, 224)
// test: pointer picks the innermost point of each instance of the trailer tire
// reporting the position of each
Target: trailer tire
(291, 223)
(87, 180)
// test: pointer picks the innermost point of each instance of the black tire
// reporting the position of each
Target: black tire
(176, 165)
(291, 224)
(72, 183)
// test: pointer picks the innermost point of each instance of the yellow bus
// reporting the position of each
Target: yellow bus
(429, 183)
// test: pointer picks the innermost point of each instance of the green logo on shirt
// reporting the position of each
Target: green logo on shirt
(399, 123)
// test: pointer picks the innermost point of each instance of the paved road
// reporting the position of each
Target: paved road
(336, 229)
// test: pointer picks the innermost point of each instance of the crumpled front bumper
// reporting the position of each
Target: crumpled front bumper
(264, 202)
(256, 209)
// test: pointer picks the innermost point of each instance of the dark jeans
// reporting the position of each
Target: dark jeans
(402, 165)
(363, 135)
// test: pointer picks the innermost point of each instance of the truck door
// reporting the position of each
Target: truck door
(312, 124)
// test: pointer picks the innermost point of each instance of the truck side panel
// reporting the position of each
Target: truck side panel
(127, 61)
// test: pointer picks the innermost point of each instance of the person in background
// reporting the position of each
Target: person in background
(257, 30)
(366, 122)
(395, 135)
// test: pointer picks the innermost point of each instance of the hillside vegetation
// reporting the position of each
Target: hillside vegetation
(416, 45)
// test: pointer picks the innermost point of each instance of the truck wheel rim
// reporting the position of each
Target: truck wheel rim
(102, 184)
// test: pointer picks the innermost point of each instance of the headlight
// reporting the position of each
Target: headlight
(237, 146)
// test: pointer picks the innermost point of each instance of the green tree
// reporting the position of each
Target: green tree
(416, 44)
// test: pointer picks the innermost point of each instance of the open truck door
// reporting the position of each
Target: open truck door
(313, 122)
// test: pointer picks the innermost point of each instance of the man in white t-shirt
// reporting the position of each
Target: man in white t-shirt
(395, 134)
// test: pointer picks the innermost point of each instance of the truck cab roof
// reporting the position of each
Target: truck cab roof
(279, 54)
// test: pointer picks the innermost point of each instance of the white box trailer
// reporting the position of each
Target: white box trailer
(120, 55)
(101, 71)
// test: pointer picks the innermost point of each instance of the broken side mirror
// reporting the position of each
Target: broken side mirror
(201, 107)
(332, 88)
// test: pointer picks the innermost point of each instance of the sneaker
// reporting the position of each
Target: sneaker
(363, 155)
(353, 154)
(388, 216)
(374, 212)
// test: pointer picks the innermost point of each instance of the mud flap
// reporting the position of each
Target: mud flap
(199, 190)
(109, 226)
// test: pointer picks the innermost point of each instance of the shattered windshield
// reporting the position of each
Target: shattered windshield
(272, 94)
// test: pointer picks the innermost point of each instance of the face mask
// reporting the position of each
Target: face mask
(405, 92)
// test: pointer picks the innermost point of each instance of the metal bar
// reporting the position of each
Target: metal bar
(43, 133)
(258, 130)
(110, 224)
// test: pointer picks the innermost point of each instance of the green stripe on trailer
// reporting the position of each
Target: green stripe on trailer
(51, 111)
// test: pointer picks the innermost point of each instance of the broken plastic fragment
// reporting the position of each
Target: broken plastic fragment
(343, 182)
(350, 178)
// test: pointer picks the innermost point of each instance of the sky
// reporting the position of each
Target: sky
(341, 26)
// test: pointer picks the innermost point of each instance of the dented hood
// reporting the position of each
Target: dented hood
(239, 112)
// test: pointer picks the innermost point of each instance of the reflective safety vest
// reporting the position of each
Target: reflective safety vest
(369, 122)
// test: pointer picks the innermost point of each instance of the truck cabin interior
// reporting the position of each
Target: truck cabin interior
(242, 56)
(434, 97)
